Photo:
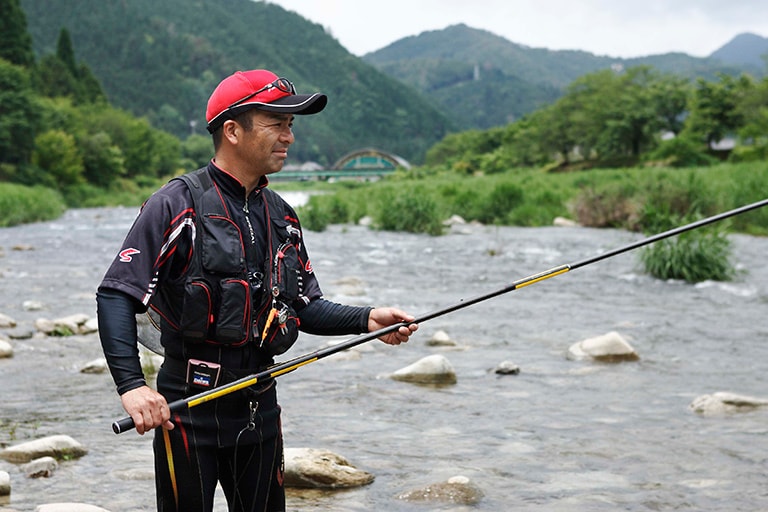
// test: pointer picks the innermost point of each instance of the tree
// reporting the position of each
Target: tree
(670, 94)
(753, 134)
(66, 52)
(54, 78)
(714, 112)
(103, 162)
(59, 75)
(56, 153)
(198, 149)
(18, 115)
(554, 129)
(15, 41)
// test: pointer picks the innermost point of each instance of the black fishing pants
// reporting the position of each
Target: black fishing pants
(235, 440)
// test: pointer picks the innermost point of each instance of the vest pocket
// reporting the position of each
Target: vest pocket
(278, 328)
(233, 319)
(221, 248)
(196, 315)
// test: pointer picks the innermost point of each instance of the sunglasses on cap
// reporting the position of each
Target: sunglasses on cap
(281, 84)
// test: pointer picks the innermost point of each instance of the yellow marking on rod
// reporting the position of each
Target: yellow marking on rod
(221, 392)
(225, 390)
(171, 470)
(291, 368)
(542, 276)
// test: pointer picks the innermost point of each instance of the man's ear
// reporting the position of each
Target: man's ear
(230, 130)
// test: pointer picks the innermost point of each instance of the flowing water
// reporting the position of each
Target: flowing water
(562, 435)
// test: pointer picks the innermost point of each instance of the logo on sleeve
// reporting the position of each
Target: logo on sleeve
(126, 255)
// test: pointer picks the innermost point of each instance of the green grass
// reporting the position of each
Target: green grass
(21, 205)
(619, 198)
(694, 256)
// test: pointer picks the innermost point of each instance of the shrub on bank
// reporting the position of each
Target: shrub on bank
(693, 257)
(410, 210)
(21, 205)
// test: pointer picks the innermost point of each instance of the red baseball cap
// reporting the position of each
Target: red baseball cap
(260, 89)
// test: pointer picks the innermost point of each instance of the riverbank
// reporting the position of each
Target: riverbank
(637, 199)
(420, 200)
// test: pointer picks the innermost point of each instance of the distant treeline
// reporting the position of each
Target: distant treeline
(623, 118)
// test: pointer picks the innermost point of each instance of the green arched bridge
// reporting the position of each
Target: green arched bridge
(362, 163)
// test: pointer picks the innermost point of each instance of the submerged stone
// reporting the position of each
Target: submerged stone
(459, 490)
(726, 403)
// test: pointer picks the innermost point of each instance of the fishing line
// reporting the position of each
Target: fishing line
(293, 364)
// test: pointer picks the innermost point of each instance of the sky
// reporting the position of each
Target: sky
(617, 28)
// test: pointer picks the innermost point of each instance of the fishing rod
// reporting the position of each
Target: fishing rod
(279, 369)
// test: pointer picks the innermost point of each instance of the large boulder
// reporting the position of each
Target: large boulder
(59, 447)
(434, 369)
(321, 469)
(610, 347)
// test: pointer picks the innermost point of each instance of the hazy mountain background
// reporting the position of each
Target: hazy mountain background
(486, 80)
(162, 60)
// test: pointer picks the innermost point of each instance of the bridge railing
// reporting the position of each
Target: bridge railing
(324, 174)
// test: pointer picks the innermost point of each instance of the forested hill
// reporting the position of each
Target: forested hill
(163, 59)
(497, 80)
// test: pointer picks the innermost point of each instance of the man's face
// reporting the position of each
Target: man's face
(265, 145)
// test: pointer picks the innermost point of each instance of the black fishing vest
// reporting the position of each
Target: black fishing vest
(225, 303)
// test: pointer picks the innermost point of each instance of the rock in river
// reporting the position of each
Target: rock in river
(58, 446)
(309, 467)
(434, 369)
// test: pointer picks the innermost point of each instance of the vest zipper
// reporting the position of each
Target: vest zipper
(254, 277)
(248, 221)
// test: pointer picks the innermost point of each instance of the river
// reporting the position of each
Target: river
(562, 435)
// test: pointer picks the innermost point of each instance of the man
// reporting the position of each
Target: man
(220, 258)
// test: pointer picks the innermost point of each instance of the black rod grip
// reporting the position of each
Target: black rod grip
(123, 425)
(126, 424)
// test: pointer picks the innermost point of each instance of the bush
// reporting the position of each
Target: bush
(613, 206)
(693, 256)
(322, 210)
(410, 210)
(504, 198)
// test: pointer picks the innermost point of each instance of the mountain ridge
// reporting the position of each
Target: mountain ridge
(439, 63)
(162, 60)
